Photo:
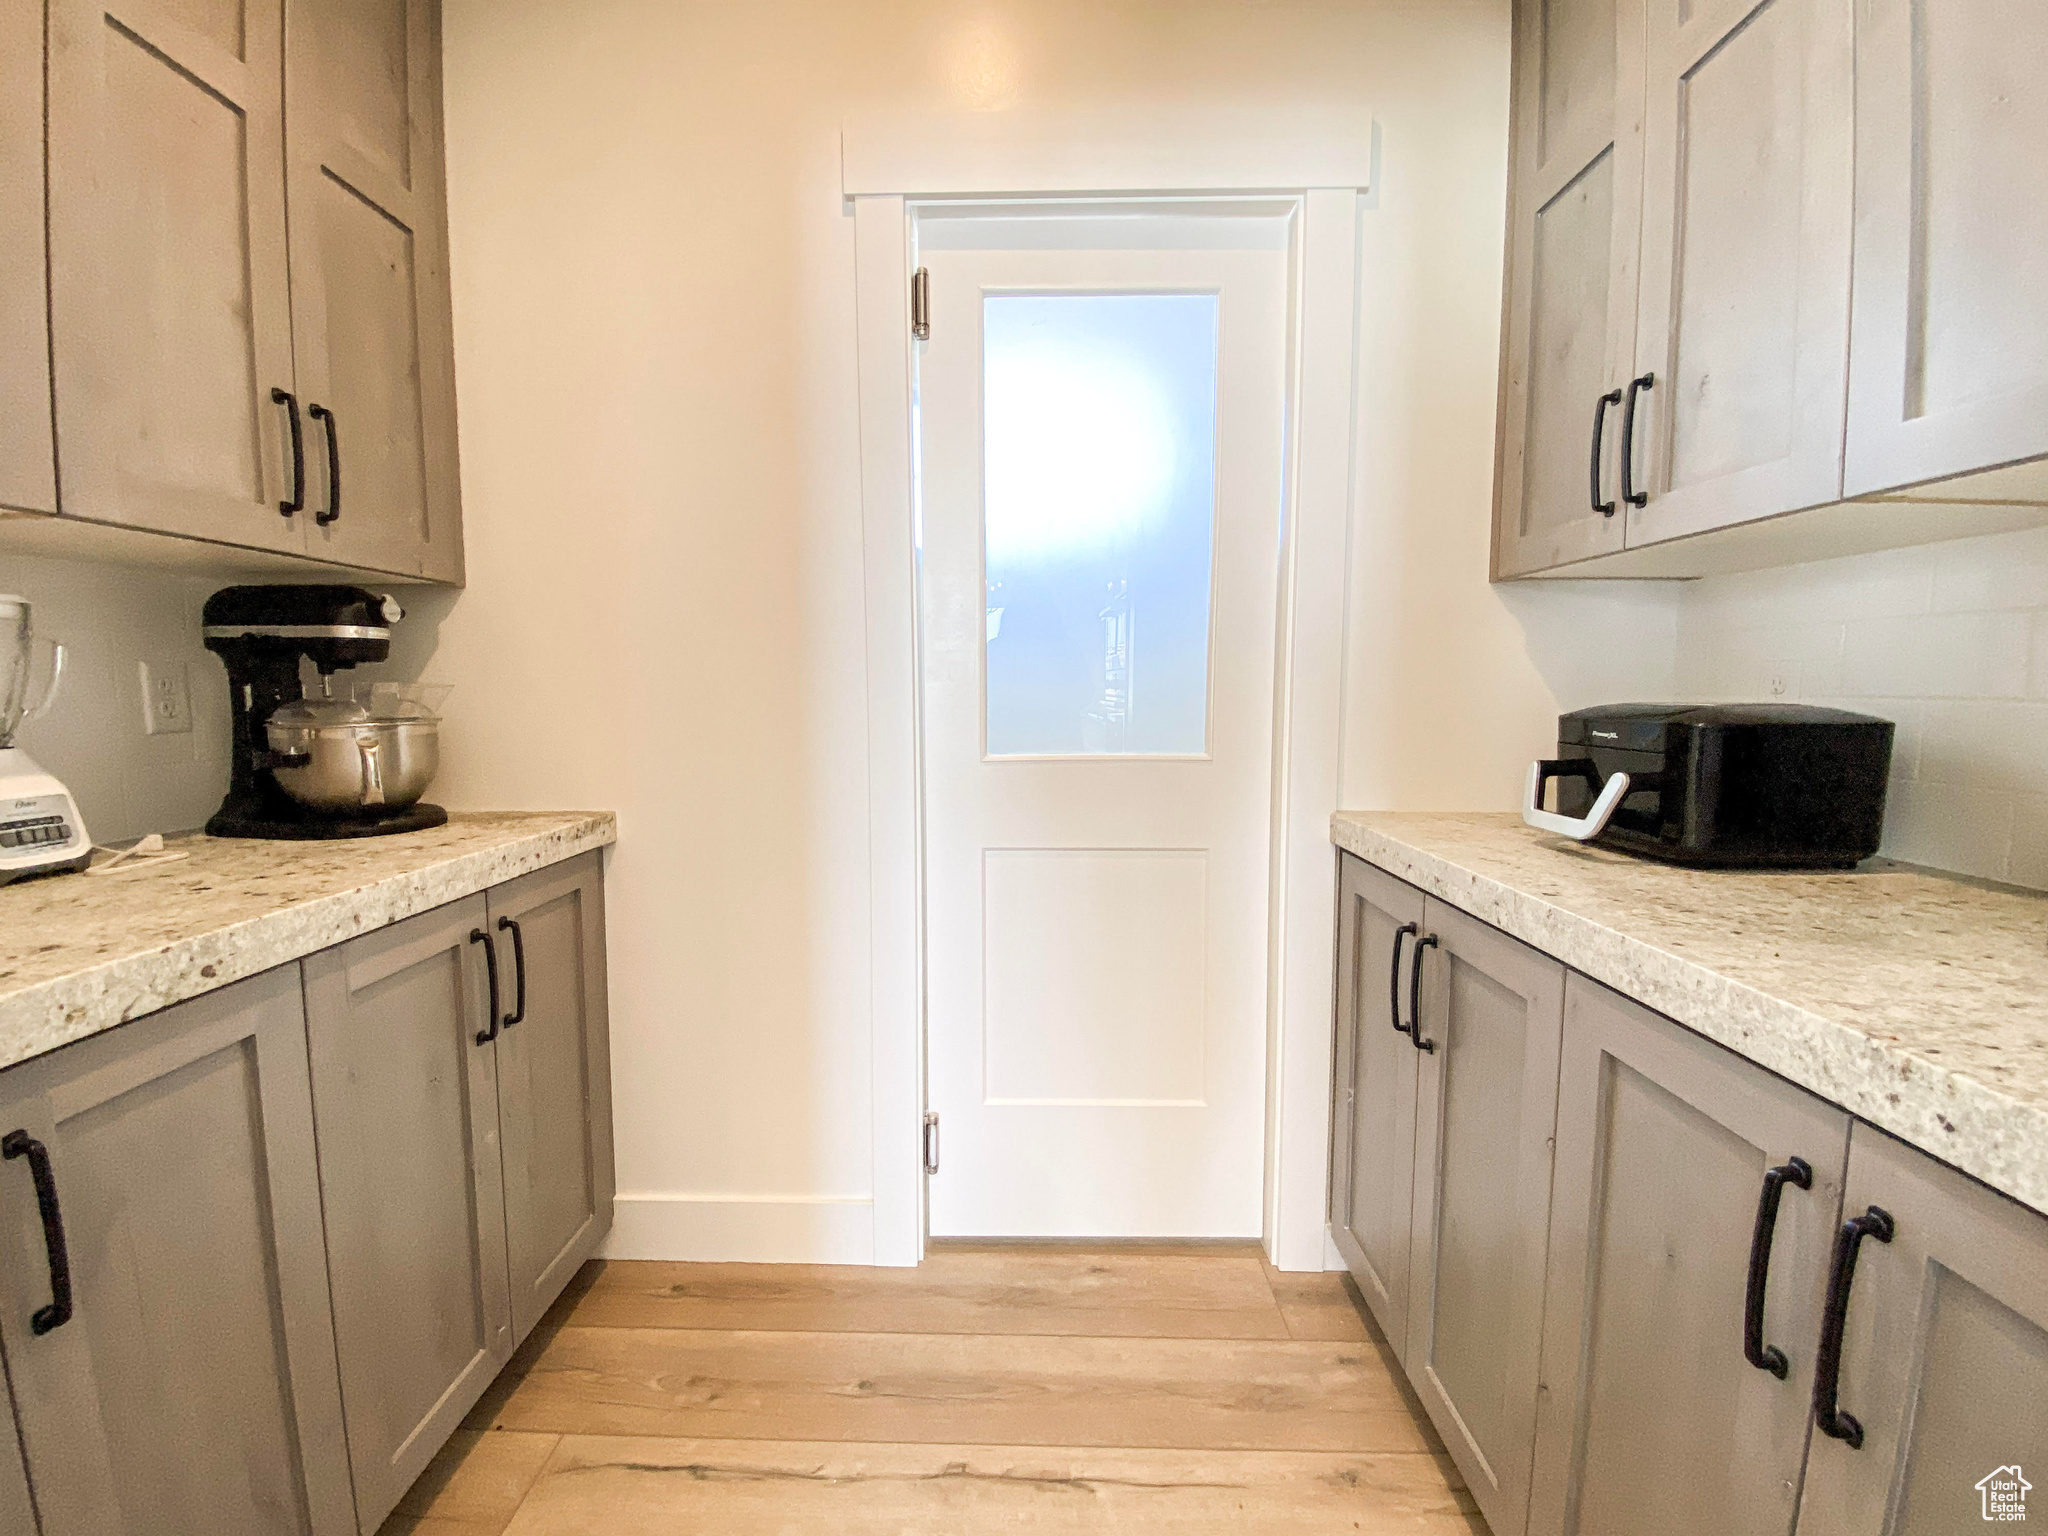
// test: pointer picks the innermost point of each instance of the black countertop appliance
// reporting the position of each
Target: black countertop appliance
(1762, 786)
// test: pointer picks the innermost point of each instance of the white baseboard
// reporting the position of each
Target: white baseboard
(777, 1229)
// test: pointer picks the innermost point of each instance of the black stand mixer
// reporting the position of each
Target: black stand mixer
(260, 633)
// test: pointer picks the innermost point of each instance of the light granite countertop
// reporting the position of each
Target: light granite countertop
(82, 953)
(1916, 1001)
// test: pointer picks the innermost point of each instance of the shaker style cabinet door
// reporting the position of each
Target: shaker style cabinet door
(28, 465)
(1948, 355)
(369, 264)
(405, 1097)
(1684, 1173)
(183, 1383)
(170, 305)
(1943, 1385)
(554, 1078)
(1486, 1104)
(1372, 1148)
(1574, 215)
(1743, 322)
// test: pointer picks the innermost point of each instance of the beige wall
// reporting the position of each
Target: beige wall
(655, 343)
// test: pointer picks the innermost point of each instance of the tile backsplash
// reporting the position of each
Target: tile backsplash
(1948, 640)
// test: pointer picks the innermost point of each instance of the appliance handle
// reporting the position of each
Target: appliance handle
(1579, 829)
(58, 1312)
(42, 705)
(368, 748)
(1768, 1357)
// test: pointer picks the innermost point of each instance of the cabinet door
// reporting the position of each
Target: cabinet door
(406, 1100)
(193, 1390)
(1574, 215)
(1744, 317)
(17, 1512)
(370, 283)
(1372, 1148)
(1948, 356)
(1944, 1360)
(554, 1079)
(1653, 1417)
(170, 310)
(28, 465)
(1486, 1102)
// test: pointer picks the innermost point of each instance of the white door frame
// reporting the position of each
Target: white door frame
(1324, 161)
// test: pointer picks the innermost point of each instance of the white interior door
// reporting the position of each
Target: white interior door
(1101, 417)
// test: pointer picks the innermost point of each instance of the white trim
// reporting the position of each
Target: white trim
(769, 1229)
(1138, 150)
(895, 918)
(1309, 664)
(1307, 711)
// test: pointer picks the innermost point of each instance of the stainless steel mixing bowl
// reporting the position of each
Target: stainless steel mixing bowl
(364, 765)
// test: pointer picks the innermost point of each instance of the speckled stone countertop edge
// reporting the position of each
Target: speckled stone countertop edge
(47, 1015)
(1948, 1114)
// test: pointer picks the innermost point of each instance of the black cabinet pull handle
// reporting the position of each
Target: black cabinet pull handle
(1629, 493)
(297, 500)
(1768, 1357)
(1827, 1371)
(1394, 977)
(1612, 397)
(325, 417)
(58, 1312)
(518, 1013)
(1427, 941)
(478, 936)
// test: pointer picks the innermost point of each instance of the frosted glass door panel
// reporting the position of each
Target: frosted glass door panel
(1099, 506)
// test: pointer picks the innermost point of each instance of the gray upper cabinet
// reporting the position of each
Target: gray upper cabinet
(17, 1510)
(1654, 1418)
(1945, 1356)
(405, 1097)
(28, 465)
(1372, 1151)
(192, 1390)
(1488, 1034)
(369, 265)
(169, 295)
(1743, 317)
(1948, 362)
(1573, 219)
(554, 1079)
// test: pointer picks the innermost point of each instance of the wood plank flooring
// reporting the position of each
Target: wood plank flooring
(1127, 1389)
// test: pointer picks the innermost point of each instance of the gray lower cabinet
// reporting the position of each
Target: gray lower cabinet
(28, 464)
(405, 1096)
(1944, 1360)
(1653, 1418)
(1486, 1098)
(192, 1389)
(17, 1509)
(462, 1091)
(1372, 1152)
(554, 1080)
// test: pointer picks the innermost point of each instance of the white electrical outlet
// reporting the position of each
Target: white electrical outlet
(1781, 681)
(166, 699)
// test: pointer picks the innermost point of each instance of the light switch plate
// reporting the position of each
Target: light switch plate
(166, 699)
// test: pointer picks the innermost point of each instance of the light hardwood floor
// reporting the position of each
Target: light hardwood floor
(1129, 1389)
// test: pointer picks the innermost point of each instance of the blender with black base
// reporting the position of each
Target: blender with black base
(260, 633)
(40, 828)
